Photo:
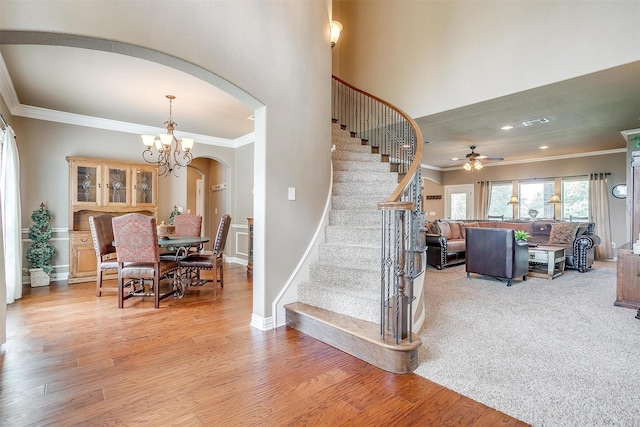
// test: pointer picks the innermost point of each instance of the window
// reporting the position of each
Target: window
(575, 198)
(499, 199)
(533, 197)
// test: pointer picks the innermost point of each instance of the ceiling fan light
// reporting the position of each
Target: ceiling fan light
(477, 165)
(467, 166)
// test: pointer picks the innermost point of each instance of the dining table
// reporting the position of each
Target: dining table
(178, 248)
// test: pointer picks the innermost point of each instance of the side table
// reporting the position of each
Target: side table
(546, 261)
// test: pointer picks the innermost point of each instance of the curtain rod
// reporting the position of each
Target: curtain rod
(548, 177)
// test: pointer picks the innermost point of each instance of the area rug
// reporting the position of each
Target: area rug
(547, 352)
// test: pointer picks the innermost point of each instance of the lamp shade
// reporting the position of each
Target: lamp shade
(555, 199)
(467, 166)
(336, 29)
(148, 140)
(166, 139)
(513, 200)
(187, 144)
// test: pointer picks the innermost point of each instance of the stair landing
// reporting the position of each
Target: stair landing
(356, 337)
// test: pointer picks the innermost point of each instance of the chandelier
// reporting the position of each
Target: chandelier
(170, 157)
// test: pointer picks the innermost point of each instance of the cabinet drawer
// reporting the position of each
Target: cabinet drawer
(538, 256)
(81, 239)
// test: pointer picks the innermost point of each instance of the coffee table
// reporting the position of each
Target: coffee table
(546, 261)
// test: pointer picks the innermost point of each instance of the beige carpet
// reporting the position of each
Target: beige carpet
(548, 352)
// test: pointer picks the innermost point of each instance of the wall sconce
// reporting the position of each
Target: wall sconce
(336, 29)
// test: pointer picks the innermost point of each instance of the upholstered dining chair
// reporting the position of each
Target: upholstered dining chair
(136, 242)
(102, 235)
(187, 224)
(194, 263)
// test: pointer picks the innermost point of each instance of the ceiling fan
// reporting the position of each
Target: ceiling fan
(473, 160)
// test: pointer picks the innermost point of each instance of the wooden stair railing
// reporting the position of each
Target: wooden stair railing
(398, 139)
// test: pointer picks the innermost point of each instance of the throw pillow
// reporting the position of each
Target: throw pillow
(465, 225)
(433, 227)
(455, 230)
(445, 230)
(563, 233)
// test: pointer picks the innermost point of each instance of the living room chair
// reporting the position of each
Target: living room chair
(495, 252)
(136, 242)
(195, 263)
(102, 235)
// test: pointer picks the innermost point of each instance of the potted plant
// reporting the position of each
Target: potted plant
(521, 236)
(41, 251)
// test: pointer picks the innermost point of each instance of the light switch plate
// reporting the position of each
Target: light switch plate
(292, 193)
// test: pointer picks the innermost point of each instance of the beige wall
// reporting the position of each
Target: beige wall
(448, 54)
(276, 57)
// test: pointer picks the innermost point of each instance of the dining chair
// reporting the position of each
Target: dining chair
(185, 225)
(136, 242)
(102, 235)
(193, 264)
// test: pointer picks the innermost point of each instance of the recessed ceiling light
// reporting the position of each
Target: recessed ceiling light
(543, 147)
(507, 127)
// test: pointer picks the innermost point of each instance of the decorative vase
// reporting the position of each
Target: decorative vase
(533, 214)
(39, 278)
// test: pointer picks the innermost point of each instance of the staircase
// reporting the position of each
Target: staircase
(340, 304)
(346, 277)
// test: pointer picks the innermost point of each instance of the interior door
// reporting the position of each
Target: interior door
(458, 201)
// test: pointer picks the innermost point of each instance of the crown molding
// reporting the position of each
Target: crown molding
(7, 90)
(537, 159)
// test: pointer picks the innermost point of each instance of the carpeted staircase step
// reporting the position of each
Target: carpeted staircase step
(357, 217)
(365, 177)
(378, 190)
(374, 166)
(369, 236)
(356, 337)
(338, 301)
(357, 157)
(351, 203)
(355, 280)
(348, 256)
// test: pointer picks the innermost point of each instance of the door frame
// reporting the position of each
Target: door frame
(456, 189)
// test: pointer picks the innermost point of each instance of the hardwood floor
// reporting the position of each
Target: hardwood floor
(74, 359)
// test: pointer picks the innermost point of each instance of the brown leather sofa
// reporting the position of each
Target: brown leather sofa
(495, 252)
(445, 239)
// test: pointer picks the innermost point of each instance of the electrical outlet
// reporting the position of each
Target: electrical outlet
(613, 245)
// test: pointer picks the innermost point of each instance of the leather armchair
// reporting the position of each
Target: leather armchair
(495, 252)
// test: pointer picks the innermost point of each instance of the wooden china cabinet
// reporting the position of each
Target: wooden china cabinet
(104, 186)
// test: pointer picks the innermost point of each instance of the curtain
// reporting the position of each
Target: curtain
(11, 215)
(483, 199)
(599, 208)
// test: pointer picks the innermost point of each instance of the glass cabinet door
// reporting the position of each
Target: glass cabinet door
(117, 185)
(145, 181)
(87, 189)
